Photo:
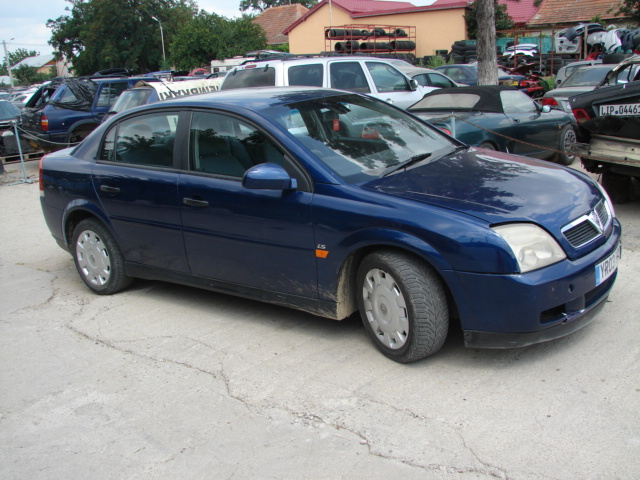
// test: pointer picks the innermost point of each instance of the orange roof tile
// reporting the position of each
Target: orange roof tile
(275, 20)
(559, 12)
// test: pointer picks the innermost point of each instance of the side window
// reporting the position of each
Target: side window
(67, 96)
(421, 79)
(223, 145)
(348, 76)
(143, 140)
(437, 80)
(514, 101)
(110, 92)
(306, 75)
(386, 78)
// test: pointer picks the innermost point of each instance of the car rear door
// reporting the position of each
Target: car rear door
(136, 181)
(255, 238)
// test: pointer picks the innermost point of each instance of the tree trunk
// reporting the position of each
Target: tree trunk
(487, 57)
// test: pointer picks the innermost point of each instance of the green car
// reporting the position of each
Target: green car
(500, 118)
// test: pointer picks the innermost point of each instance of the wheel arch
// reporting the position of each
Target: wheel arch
(89, 125)
(346, 287)
(75, 213)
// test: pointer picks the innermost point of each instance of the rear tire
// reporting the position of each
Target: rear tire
(487, 146)
(98, 258)
(403, 305)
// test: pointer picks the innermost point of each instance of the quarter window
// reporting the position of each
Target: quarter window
(143, 140)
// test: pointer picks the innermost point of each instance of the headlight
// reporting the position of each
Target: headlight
(607, 199)
(532, 246)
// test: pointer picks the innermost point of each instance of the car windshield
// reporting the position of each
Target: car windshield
(586, 76)
(359, 138)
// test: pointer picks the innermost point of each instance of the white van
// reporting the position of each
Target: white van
(369, 75)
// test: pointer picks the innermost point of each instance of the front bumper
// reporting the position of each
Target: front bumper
(505, 311)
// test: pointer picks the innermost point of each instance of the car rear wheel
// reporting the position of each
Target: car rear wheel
(403, 306)
(98, 258)
(567, 138)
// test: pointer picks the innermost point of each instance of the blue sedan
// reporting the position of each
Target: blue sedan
(335, 203)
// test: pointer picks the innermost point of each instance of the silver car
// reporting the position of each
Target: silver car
(582, 80)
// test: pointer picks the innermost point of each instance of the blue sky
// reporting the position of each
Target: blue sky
(25, 20)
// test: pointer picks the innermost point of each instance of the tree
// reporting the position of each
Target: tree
(209, 36)
(487, 59)
(26, 75)
(501, 18)
(262, 5)
(629, 9)
(16, 57)
(100, 34)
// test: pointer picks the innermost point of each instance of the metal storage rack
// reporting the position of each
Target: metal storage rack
(373, 39)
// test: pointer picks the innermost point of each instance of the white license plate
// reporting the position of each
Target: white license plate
(606, 267)
(623, 109)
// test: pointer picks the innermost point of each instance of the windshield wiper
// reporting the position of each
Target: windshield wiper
(406, 164)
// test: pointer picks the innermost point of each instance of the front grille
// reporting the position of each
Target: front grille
(581, 234)
(588, 227)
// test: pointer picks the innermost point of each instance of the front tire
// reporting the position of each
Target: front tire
(98, 258)
(403, 305)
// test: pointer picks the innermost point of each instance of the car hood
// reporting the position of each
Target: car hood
(496, 187)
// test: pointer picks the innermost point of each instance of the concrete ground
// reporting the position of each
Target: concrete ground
(166, 382)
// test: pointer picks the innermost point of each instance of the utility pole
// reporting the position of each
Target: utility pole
(6, 59)
(164, 58)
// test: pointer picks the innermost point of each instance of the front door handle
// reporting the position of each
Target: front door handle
(109, 189)
(192, 202)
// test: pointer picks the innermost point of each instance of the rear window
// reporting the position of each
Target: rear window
(131, 98)
(250, 77)
(452, 101)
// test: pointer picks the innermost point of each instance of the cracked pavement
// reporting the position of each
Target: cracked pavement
(164, 381)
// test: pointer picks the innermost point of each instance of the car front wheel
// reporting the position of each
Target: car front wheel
(567, 138)
(98, 258)
(403, 305)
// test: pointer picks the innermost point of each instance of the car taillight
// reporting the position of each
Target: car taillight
(552, 102)
(581, 115)
(445, 130)
(523, 84)
(44, 123)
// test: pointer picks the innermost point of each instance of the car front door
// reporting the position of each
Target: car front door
(532, 132)
(255, 238)
(137, 184)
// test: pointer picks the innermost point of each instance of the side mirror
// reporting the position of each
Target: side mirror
(413, 84)
(546, 109)
(268, 176)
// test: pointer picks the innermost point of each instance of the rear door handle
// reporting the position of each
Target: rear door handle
(108, 189)
(192, 202)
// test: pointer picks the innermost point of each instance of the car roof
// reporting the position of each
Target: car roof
(489, 101)
(253, 98)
